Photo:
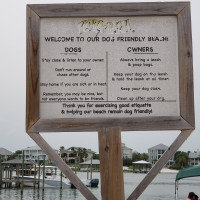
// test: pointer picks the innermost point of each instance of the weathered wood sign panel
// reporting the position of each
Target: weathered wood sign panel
(106, 68)
(101, 65)
(109, 67)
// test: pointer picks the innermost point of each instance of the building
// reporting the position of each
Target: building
(34, 153)
(194, 158)
(126, 152)
(76, 154)
(141, 166)
(156, 152)
(4, 153)
(95, 163)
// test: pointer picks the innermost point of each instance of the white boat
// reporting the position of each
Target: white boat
(52, 179)
(49, 181)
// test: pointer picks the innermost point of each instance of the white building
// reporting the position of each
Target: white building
(34, 153)
(156, 152)
(71, 154)
(194, 158)
(4, 153)
(126, 152)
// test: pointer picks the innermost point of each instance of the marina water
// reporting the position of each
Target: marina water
(162, 188)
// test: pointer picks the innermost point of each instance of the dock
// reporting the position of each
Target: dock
(13, 172)
(7, 183)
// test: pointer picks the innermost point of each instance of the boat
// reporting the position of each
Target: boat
(185, 173)
(54, 181)
(89, 183)
(94, 182)
(49, 181)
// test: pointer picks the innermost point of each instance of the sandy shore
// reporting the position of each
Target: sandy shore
(165, 170)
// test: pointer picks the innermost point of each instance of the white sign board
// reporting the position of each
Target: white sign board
(109, 67)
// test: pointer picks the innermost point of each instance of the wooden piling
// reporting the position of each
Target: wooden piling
(3, 169)
(112, 183)
(29, 172)
(75, 166)
(38, 173)
(35, 172)
(22, 178)
(17, 173)
(87, 173)
(91, 169)
(43, 174)
(1, 173)
(61, 174)
(6, 177)
(10, 178)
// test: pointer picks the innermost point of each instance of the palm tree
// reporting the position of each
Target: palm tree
(84, 154)
(62, 148)
(182, 159)
(144, 156)
(79, 154)
(74, 153)
(154, 161)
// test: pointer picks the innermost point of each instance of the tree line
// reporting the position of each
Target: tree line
(181, 158)
(136, 156)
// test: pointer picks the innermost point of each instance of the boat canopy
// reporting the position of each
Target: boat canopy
(142, 162)
(188, 172)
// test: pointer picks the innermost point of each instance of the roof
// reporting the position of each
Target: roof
(159, 146)
(142, 162)
(125, 147)
(34, 148)
(18, 161)
(188, 172)
(5, 152)
(70, 149)
(94, 162)
(194, 154)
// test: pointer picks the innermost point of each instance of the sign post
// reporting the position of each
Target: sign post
(112, 183)
(109, 68)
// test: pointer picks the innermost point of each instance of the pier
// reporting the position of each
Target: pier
(7, 169)
(20, 173)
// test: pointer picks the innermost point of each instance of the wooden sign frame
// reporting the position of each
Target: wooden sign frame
(109, 130)
(180, 9)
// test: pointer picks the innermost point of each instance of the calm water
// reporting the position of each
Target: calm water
(162, 188)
